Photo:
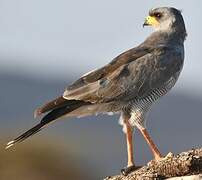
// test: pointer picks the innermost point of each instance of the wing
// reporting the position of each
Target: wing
(134, 73)
(108, 69)
(85, 84)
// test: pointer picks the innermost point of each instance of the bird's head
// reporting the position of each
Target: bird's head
(166, 19)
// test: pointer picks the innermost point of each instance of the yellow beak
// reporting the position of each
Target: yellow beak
(150, 21)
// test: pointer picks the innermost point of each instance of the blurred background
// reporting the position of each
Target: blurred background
(45, 45)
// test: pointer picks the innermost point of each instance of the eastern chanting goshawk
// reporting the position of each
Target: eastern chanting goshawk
(128, 85)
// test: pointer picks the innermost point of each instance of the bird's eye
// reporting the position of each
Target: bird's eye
(158, 15)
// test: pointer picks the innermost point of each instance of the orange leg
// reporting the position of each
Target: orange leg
(153, 147)
(129, 140)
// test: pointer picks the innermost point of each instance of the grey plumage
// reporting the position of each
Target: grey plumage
(132, 82)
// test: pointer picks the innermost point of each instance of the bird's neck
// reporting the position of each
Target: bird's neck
(165, 37)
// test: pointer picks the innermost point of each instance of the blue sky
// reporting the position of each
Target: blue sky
(58, 39)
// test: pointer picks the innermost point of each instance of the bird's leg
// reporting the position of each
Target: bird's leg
(153, 147)
(129, 140)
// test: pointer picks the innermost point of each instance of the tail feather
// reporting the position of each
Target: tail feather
(25, 135)
(51, 116)
(56, 103)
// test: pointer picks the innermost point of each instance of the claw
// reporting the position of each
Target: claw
(128, 170)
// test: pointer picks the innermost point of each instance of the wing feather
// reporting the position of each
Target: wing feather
(127, 77)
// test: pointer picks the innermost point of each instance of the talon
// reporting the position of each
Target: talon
(169, 155)
(108, 177)
(128, 170)
(162, 158)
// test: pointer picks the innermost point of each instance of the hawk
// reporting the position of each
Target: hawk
(128, 85)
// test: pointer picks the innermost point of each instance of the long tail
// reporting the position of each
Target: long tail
(51, 116)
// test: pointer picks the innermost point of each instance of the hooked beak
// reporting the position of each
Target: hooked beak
(150, 21)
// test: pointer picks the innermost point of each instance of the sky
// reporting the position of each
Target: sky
(58, 39)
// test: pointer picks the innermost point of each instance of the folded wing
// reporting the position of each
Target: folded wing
(128, 76)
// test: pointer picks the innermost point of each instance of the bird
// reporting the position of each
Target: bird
(129, 85)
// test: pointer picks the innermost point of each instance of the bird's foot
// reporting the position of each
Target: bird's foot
(129, 169)
(162, 158)
(169, 156)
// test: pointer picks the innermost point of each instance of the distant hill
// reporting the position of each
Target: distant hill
(175, 123)
(42, 161)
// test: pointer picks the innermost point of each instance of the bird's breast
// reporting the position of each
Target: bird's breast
(140, 106)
